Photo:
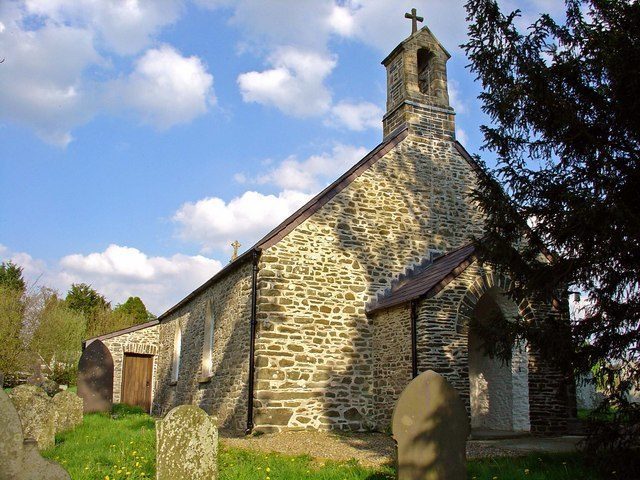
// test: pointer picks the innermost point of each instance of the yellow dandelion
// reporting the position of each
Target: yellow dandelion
(267, 469)
(106, 477)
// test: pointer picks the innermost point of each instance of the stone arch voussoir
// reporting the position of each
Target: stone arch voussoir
(140, 348)
(484, 282)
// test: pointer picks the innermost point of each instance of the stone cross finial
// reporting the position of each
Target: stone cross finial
(414, 20)
(236, 245)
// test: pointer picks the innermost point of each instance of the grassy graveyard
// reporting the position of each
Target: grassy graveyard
(122, 447)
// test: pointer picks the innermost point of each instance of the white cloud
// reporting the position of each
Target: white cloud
(342, 21)
(356, 116)
(119, 272)
(41, 79)
(126, 26)
(165, 88)
(214, 223)
(295, 84)
(315, 172)
(381, 23)
(462, 136)
(456, 98)
(45, 80)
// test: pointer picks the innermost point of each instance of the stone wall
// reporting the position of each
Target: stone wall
(391, 354)
(314, 343)
(224, 394)
(144, 341)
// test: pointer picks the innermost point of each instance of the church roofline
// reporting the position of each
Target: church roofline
(430, 281)
(302, 214)
(400, 46)
(122, 331)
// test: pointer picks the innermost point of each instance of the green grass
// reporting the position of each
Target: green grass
(532, 467)
(122, 446)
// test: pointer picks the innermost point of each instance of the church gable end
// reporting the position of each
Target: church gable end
(321, 361)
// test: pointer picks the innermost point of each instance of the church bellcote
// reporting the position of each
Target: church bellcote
(417, 93)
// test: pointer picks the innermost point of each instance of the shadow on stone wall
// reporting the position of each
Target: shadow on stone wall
(225, 393)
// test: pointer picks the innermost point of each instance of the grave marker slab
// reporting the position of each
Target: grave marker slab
(68, 407)
(187, 445)
(431, 426)
(95, 378)
(37, 414)
(19, 458)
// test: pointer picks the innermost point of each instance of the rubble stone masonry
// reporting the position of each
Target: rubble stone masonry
(224, 393)
(144, 341)
(315, 344)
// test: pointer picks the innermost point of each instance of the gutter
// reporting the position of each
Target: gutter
(252, 339)
(414, 338)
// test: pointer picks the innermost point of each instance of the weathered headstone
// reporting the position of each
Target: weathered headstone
(19, 458)
(187, 445)
(431, 426)
(95, 378)
(36, 413)
(68, 407)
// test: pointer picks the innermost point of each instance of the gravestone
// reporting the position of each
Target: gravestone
(37, 414)
(431, 426)
(187, 445)
(95, 378)
(19, 458)
(68, 407)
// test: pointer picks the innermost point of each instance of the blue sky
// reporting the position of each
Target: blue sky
(141, 137)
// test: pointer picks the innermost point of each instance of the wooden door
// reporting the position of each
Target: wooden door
(137, 375)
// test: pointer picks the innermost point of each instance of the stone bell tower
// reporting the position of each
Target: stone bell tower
(417, 93)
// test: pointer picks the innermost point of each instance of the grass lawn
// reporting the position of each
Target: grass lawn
(122, 446)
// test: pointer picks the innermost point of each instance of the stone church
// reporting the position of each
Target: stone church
(325, 320)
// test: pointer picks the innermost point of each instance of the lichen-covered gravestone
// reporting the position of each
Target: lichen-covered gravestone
(431, 426)
(20, 459)
(187, 445)
(95, 378)
(37, 414)
(68, 407)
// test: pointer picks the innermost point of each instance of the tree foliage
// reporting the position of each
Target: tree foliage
(38, 326)
(85, 299)
(57, 339)
(11, 348)
(135, 310)
(563, 100)
(11, 277)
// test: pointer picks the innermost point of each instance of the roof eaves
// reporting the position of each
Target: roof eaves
(391, 302)
(123, 331)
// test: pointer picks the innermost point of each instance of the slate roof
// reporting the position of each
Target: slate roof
(122, 331)
(428, 281)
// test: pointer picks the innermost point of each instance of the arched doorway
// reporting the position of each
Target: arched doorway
(499, 390)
